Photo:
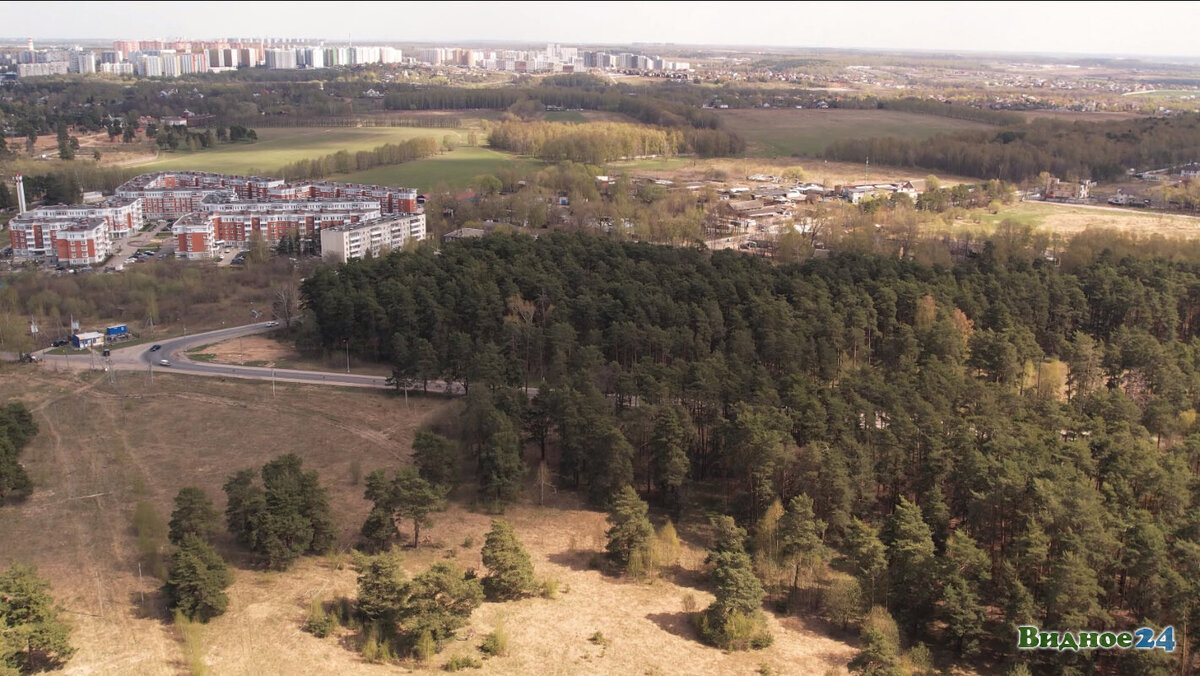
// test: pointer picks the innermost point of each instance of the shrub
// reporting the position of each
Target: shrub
(319, 623)
(549, 588)
(736, 631)
(598, 638)
(495, 644)
(461, 662)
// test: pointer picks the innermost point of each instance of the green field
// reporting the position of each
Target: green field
(787, 131)
(279, 146)
(454, 169)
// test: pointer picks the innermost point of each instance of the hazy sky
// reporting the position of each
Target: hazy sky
(1150, 28)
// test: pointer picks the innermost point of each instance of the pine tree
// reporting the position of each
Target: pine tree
(630, 530)
(382, 587)
(867, 556)
(501, 468)
(734, 621)
(437, 458)
(880, 652)
(440, 601)
(910, 562)
(194, 515)
(405, 496)
(799, 535)
(197, 580)
(32, 637)
(288, 517)
(510, 572)
(669, 459)
(610, 465)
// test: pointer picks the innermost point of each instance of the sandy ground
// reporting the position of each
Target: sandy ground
(261, 350)
(106, 445)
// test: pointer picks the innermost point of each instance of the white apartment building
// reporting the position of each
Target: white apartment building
(375, 236)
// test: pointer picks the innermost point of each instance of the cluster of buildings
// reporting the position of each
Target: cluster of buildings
(210, 211)
(173, 58)
(554, 58)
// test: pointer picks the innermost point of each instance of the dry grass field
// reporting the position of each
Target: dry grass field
(1066, 220)
(104, 446)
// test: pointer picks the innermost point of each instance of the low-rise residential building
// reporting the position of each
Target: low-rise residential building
(68, 241)
(376, 236)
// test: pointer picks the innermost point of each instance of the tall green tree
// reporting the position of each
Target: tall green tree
(406, 496)
(629, 528)
(910, 561)
(32, 637)
(501, 468)
(437, 458)
(194, 515)
(510, 572)
(197, 580)
(867, 556)
(799, 534)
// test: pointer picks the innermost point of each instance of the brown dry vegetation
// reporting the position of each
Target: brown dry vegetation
(261, 350)
(104, 446)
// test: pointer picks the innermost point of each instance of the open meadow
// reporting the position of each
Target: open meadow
(454, 169)
(1065, 220)
(787, 131)
(277, 146)
(104, 446)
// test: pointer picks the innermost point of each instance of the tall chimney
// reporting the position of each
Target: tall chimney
(20, 193)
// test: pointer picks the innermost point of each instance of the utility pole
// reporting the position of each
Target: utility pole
(347, 355)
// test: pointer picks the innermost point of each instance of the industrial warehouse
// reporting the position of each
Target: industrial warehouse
(210, 211)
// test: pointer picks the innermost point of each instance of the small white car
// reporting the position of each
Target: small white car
(164, 362)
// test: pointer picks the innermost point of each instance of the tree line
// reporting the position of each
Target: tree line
(996, 443)
(1098, 151)
(344, 162)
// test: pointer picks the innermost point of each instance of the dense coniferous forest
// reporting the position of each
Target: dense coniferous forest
(1099, 151)
(1018, 438)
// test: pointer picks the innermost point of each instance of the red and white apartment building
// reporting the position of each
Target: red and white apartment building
(209, 211)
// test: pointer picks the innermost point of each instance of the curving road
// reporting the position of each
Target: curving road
(174, 350)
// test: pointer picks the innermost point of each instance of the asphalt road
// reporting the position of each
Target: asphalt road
(174, 350)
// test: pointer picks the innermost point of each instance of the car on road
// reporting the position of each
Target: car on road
(155, 348)
(272, 323)
(164, 362)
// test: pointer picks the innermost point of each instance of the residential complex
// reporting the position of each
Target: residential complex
(355, 240)
(174, 58)
(210, 211)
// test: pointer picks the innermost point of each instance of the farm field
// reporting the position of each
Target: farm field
(454, 169)
(787, 132)
(105, 446)
(278, 146)
(1069, 219)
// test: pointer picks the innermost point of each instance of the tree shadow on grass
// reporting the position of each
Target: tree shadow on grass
(677, 624)
(582, 559)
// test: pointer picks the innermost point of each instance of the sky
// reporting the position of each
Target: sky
(1099, 28)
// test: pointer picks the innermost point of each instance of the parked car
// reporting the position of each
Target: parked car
(60, 342)
(155, 348)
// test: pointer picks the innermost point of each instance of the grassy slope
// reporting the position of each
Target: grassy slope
(105, 446)
(772, 133)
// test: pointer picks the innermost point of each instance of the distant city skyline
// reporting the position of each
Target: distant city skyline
(1099, 28)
